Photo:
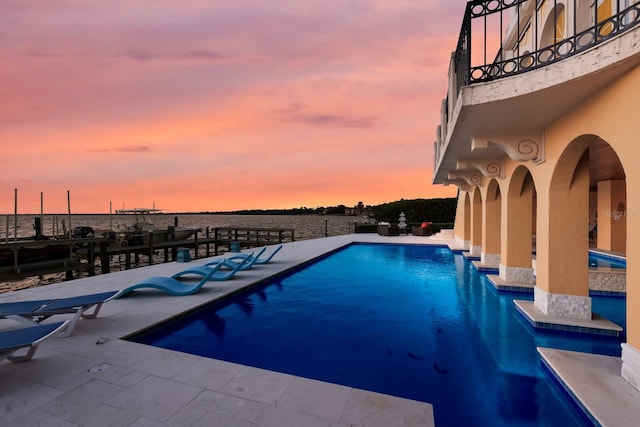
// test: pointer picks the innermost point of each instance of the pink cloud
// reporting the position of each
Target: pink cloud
(124, 149)
(312, 95)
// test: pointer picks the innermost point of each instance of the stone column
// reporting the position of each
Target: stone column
(462, 226)
(476, 223)
(562, 286)
(516, 236)
(491, 215)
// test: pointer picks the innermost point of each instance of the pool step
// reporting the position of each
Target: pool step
(597, 325)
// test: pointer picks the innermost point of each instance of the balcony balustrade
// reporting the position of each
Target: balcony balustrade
(503, 38)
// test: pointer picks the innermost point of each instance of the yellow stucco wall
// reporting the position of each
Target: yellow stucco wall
(562, 207)
(462, 224)
(517, 216)
(476, 218)
(491, 218)
(612, 114)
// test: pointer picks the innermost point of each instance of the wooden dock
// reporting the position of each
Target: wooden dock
(86, 253)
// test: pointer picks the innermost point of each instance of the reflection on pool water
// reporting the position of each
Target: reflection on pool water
(601, 260)
(411, 321)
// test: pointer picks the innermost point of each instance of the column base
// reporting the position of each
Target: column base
(521, 275)
(561, 305)
(475, 251)
(464, 244)
(631, 365)
(490, 259)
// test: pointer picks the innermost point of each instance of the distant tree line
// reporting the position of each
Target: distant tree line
(416, 211)
(333, 210)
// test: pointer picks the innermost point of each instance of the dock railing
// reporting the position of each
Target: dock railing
(250, 237)
(84, 253)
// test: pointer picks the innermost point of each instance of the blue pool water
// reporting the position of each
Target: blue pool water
(597, 260)
(411, 321)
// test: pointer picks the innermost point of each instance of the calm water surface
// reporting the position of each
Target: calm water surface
(411, 321)
(305, 227)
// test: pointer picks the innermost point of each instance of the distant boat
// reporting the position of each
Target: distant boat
(138, 232)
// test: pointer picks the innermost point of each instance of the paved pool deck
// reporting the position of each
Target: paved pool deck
(76, 381)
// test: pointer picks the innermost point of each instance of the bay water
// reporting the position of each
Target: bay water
(305, 227)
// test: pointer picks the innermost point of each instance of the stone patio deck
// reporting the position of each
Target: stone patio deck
(75, 381)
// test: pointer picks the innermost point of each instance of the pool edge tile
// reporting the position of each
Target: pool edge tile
(540, 321)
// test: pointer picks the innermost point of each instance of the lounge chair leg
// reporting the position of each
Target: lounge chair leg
(29, 338)
(92, 315)
(24, 357)
(66, 332)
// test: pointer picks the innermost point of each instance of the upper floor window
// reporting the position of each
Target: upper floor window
(560, 24)
(553, 30)
(604, 10)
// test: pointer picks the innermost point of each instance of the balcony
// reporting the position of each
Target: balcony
(545, 57)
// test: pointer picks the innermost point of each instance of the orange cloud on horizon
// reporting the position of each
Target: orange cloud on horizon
(211, 106)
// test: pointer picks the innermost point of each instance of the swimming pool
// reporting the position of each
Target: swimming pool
(411, 321)
(602, 260)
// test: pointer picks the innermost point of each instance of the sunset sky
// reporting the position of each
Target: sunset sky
(211, 105)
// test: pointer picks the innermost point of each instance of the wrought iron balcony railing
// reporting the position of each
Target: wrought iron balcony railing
(502, 38)
(522, 35)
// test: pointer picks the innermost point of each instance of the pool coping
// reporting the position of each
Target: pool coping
(594, 381)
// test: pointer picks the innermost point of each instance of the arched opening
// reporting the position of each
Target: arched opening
(564, 253)
(476, 223)
(519, 230)
(587, 183)
(491, 239)
(467, 220)
(607, 198)
(554, 29)
(462, 226)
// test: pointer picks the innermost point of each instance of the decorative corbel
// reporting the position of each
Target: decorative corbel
(520, 148)
(488, 168)
(471, 176)
(460, 183)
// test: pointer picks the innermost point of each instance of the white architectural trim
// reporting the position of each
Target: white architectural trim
(520, 148)
(460, 183)
(472, 177)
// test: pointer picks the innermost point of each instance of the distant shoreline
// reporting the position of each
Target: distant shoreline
(266, 213)
(440, 210)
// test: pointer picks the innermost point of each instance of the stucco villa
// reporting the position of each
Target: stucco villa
(540, 132)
